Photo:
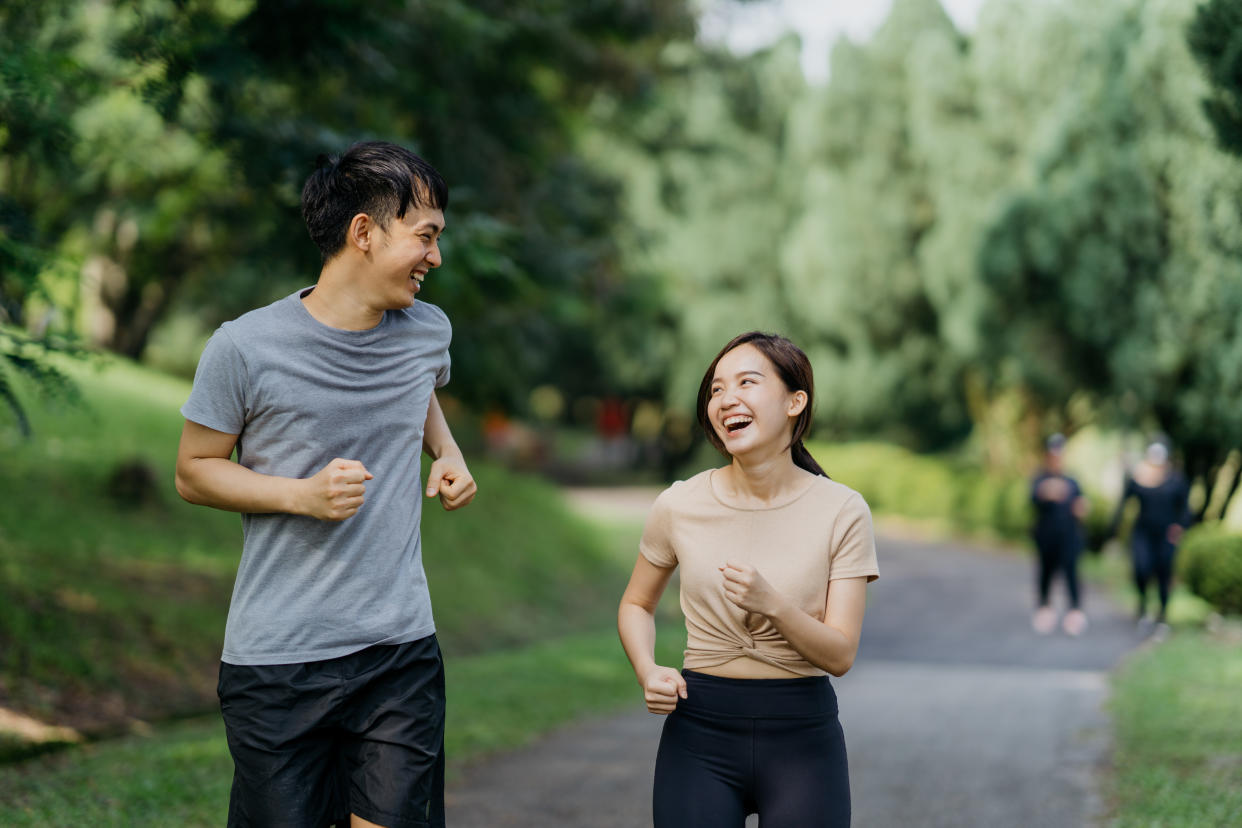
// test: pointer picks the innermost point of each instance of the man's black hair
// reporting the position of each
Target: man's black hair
(374, 177)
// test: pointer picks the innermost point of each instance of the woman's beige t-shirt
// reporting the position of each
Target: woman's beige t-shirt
(820, 534)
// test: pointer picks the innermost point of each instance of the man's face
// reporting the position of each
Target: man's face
(402, 255)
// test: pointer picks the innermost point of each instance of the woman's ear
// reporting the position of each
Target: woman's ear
(797, 402)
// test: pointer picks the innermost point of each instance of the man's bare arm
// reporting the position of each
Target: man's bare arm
(448, 476)
(207, 476)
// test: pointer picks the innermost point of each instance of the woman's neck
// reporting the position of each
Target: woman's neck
(762, 482)
(1150, 476)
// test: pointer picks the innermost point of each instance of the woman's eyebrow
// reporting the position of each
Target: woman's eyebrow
(741, 373)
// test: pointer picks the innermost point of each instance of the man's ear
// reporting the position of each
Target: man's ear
(359, 232)
(796, 403)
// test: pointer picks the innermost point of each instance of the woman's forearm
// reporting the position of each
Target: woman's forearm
(636, 627)
(818, 642)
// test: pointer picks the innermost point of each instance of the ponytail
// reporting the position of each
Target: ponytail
(803, 459)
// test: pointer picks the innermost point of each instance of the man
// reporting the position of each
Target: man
(1059, 508)
(331, 681)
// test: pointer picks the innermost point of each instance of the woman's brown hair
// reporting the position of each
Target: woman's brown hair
(795, 372)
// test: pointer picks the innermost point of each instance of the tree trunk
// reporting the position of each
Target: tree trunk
(1234, 479)
(136, 316)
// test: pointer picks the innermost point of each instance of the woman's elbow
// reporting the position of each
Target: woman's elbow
(635, 608)
(839, 666)
(841, 660)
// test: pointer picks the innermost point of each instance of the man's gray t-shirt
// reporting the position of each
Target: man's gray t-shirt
(299, 394)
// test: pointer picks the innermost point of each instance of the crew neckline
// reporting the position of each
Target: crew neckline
(344, 332)
(781, 504)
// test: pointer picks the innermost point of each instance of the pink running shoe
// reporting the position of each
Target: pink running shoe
(1075, 623)
(1045, 620)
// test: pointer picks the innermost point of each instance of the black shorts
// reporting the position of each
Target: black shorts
(315, 742)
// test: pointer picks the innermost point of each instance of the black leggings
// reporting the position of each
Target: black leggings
(1058, 556)
(735, 747)
(1153, 554)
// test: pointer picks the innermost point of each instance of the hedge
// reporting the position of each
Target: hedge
(1210, 564)
(899, 482)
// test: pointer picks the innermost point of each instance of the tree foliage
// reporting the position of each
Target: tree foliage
(1215, 36)
(1011, 232)
(187, 150)
(998, 233)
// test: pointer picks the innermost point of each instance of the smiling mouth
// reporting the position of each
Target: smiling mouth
(735, 424)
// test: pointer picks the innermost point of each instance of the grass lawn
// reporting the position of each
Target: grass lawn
(112, 605)
(1177, 712)
(112, 611)
(180, 773)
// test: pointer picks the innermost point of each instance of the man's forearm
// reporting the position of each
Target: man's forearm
(224, 484)
(437, 438)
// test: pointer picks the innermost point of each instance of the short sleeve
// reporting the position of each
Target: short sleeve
(218, 397)
(853, 542)
(443, 362)
(657, 542)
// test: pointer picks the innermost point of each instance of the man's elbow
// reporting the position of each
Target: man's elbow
(185, 486)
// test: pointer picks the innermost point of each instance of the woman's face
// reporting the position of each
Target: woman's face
(748, 404)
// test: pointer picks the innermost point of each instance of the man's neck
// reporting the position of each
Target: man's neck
(336, 303)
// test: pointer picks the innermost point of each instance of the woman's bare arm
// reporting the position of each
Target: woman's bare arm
(662, 686)
(831, 644)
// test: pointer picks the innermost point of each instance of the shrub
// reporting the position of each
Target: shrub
(1210, 563)
(899, 482)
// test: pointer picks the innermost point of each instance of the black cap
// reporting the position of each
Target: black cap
(1055, 443)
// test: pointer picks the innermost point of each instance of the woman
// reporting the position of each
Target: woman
(1164, 514)
(775, 559)
(1059, 510)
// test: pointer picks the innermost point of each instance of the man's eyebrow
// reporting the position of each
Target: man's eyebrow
(429, 223)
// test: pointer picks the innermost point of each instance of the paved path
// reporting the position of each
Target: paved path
(955, 714)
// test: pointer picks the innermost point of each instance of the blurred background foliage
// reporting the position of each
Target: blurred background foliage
(979, 238)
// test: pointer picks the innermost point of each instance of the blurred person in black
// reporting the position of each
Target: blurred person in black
(1059, 510)
(1164, 513)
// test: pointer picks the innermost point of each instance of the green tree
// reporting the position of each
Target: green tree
(40, 88)
(854, 257)
(189, 151)
(706, 200)
(1215, 37)
(1112, 271)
